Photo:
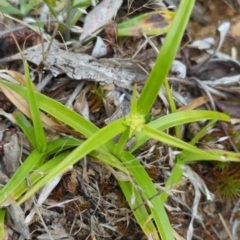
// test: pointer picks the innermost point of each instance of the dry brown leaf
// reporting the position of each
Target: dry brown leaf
(20, 78)
(23, 106)
(196, 103)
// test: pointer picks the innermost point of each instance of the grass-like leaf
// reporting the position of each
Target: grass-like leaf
(27, 6)
(9, 192)
(137, 204)
(35, 113)
(96, 140)
(6, 7)
(26, 127)
(165, 57)
(38, 174)
(6, 194)
(81, 3)
(175, 142)
(177, 119)
(151, 196)
(212, 154)
(2, 225)
(57, 110)
(50, 3)
(50, 165)
(62, 113)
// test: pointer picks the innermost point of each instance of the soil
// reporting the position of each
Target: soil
(218, 12)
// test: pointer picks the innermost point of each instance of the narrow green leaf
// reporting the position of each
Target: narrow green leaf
(51, 164)
(96, 140)
(172, 106)
(7, 8)
(138, 207)
(26, 127)
(61, 112)
(58, 110)
(2, 225)
(175, 142)
(35, 113)
(122, 142)
(22, 2)
(81, 3)
(148, 190)
(62, 144)
(109, 159)
(165, 57)
(19, 176)
(127, 134)
(177, 119)
(213, 154)
(173, 180)
(38, 174)
(134, 109)
(50, 3)
(177, 171)
(26, 8)
(57, 146)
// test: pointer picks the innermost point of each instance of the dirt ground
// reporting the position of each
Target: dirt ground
(218, 12)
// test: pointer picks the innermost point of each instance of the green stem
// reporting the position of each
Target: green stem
(121, 143)
(172, 106)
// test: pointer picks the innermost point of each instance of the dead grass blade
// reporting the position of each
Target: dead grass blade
(23, 106)
(197, 103)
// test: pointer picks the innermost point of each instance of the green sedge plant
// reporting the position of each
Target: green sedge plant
(52, 159)
(73, 9)
(22, 9)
